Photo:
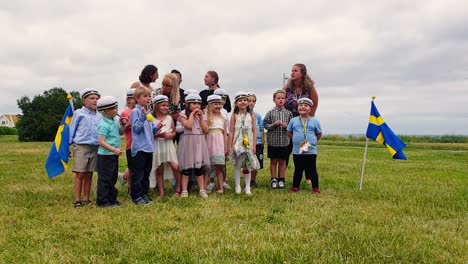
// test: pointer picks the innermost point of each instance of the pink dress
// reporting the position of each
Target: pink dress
(192, 150)
(215, 141)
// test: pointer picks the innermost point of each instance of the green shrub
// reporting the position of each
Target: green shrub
(8, 131)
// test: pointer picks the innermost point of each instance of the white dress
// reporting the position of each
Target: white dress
(165, 151)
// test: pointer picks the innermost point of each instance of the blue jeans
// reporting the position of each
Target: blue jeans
(142, 163)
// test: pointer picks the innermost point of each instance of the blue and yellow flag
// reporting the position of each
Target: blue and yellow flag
(380, 132)
(57, 162)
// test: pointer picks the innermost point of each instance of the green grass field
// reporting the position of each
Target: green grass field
(413, 211)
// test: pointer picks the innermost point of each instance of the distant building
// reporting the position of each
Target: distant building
(7, 120)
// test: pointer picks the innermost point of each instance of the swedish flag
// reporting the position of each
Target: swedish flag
(57, 162)
(380, 132)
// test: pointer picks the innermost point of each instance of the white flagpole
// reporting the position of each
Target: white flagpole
(363, 165)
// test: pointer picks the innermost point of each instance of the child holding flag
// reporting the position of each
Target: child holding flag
(84, 137)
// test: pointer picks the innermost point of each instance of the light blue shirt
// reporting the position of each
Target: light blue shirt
(109, 129)
(259, 127)
(312, 129)
(83, 129)
(142, 132)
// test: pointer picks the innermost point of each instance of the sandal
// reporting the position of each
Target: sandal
(86, 202)
(219, 191)
(77, 204)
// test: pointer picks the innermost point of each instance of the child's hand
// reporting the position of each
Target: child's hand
(285, 125)
(117, 151)
(161, 124)
(143, 110)
(277, 123)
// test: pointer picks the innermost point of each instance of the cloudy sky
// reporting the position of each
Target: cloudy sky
(411, 55)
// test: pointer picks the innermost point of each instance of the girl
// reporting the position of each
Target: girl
(216, 139)
(243, 141)
(192, 151)
(165, 155)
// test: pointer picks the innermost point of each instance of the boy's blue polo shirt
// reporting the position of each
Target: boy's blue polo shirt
(109, 129)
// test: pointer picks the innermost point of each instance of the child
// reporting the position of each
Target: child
(84, 137)
(216, 139)
(276, 121)
(143, 131)
(305, 131)
(221, 92)
(165, 154)
(260, 136)
(127, 127)
(243, 141)
(108, 153)
(192, 151)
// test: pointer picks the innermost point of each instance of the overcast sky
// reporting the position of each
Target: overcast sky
(411, 55)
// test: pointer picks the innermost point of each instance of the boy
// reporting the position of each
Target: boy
(305, 131)
(84, 137)
(127, 127)
(108, 153)
(276, 121)
(143, 132)
(260, 136)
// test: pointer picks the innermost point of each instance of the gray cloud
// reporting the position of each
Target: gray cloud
(408, 54)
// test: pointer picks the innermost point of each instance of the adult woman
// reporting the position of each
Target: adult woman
(148, 75)
(170, 88)
(211, 80)
(300, 85)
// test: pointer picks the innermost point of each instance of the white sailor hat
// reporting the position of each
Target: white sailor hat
(239, 95)
(214, 98)
(190, 91)
(106, 102)
(130, 92)
(251, 94)
(305, 100)
(193, 98)
(220, 92)
(159, 99)
(87, 92)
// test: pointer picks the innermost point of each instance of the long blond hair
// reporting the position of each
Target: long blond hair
(307, 82)
(174, 80)
(209, 114)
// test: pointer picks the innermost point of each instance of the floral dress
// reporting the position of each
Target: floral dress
(243, 143)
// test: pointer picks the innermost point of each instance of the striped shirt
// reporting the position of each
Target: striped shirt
(277, 136)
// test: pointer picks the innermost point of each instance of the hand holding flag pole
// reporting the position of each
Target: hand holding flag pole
(379, 131)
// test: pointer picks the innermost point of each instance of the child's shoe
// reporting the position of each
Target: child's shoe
(86, 202)
(247, 191)
(294, 190)
(210, 187)
(238, 189)
(226, 186)
(253, 184)
(148, 199)
(315, 190)
(274, 183)
(219, 192)
(281, 184)
(141, 201)
(77, 204)
(184, 194)
(203, 194)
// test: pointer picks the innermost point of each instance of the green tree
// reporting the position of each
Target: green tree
(42, 116)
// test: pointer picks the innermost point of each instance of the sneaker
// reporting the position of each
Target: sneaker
(117, 203)
(281, 184)
(248, 192)
(238, 189)
(274, 184)
(226, 186)
(141, 201)
(203, 194)
(316, 191)
(147, 198)
(294, 190)
(219, 192)
(210, 187)
(184, 194)
(253, 184)
(86, 202)
(77, 204)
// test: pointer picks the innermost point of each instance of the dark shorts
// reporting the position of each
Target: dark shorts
(280, 153)
(259, 153)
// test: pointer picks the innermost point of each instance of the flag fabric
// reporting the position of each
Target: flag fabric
(57, 162)
(380, 132)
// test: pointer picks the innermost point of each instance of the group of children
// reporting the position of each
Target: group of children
(207, 141)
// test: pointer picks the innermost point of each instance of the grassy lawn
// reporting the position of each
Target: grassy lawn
(413, 211)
